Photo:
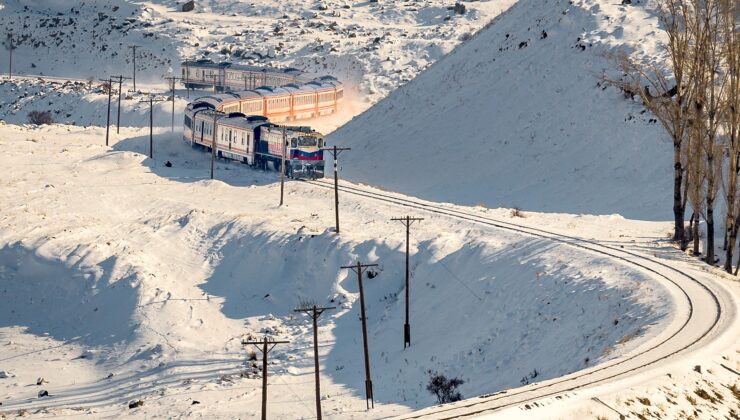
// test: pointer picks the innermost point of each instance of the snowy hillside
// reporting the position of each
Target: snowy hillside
(125, 279)
(373, 46)
(517, 117)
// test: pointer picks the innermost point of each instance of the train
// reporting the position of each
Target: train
(223, 76)
(278, 94)
(255, 140)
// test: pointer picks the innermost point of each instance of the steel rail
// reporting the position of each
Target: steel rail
(567, 240)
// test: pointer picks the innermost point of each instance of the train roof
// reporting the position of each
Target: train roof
(206, 63)
(248, 94)
(215, 100)
(297, 89)
(272, 91)
(326, 84)
(238, 120)
(245, 67)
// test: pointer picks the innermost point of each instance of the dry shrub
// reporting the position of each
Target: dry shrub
(40, 118)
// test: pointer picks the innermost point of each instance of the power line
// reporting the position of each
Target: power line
(454, 276)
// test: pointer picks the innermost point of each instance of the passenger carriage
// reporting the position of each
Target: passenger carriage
(279, 94)
(254, 140)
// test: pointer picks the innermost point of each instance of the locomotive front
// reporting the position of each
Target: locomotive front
(306, 155)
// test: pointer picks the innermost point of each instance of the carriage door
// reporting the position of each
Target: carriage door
(230, 130)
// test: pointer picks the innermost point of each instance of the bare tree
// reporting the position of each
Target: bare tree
(709, 78)
(730, 124)
(666, 92)
(695, 167)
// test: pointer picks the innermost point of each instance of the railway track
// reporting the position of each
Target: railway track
(707, 308)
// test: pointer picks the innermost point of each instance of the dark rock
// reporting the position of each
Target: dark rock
(135, 404)
(189, 6)
(43, 393)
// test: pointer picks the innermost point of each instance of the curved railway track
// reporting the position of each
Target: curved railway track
(706, 304)
(706, 310)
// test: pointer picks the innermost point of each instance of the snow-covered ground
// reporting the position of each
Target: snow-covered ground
(115, 264)
(123, 279)
(374, 46)
(518, 116)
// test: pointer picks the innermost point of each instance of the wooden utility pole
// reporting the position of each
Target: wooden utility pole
(282, 165)
(265, 351)
(107, 120)
(10, 50)
(407, 221)
(120, 86)
(214, 144)
(172, 81)
(212, 77)
(186, 81)
(134, 47)
(360, 268)
(335, 151)
(151, 123)
(315, 312)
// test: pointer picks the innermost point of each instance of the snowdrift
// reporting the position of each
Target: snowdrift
(517, 116)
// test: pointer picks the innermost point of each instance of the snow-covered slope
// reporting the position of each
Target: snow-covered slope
(123, 279)
(517, 116)
(374, 46)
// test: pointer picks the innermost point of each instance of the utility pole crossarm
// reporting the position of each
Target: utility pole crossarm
(407, 222)
(407, 219)
(320, 310)
(358, 266)
(258, 343)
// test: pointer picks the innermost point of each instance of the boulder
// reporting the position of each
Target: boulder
(189, 6)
